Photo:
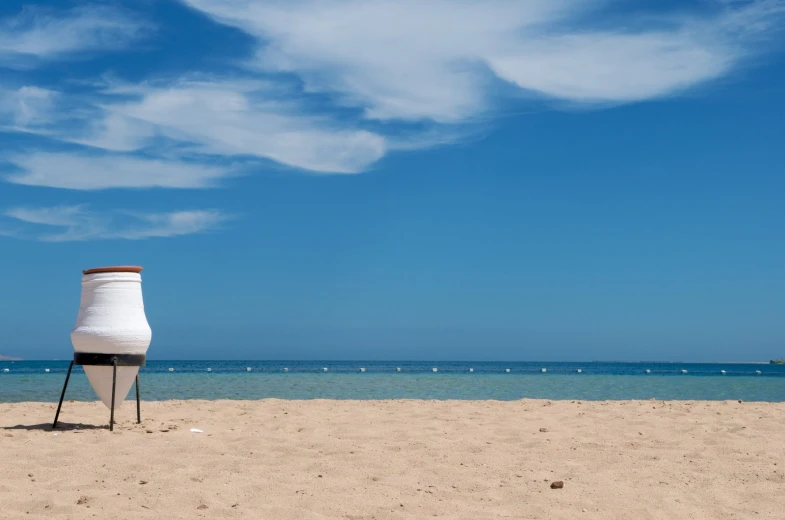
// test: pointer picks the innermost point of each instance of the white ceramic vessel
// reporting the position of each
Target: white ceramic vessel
(111, 320)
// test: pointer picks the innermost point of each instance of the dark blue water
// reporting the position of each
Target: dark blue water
(28, 381)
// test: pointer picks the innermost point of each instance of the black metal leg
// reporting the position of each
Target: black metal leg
(114, 385)
(138, 409)
(62, 394)
(102, 359)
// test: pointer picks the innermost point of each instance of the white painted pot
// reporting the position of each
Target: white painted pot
(111, 320)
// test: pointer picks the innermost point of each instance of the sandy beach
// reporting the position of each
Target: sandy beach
(395, 460)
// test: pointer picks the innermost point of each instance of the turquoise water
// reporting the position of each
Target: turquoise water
(28, 381)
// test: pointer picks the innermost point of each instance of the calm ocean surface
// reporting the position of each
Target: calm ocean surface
(28, 381)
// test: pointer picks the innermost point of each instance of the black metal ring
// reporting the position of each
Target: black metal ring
(122, 360)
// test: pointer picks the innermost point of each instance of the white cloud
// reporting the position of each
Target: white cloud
(76, 171)
(414, 60)
(217, 119)
(612, 67)
(115, 132)
(55, 216)
(414, 74)
(77, 223)
(27, 106)
(225, 118)
(41, 34)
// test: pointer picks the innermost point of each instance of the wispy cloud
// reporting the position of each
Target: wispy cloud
(76, 223)
(332, 87)
(81, 171)
(38, 34)
(408, 59)
(27, 106)
(232, 118)
(195, 121)
(431, 68)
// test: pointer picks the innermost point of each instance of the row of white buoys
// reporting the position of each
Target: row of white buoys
(434, 369)
(398, 369)
(684, 371)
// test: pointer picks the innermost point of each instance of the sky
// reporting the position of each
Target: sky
(398, 179)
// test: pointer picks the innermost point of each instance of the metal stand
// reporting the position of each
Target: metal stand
(113, 360)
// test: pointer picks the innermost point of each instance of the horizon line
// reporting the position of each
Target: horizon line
(426, 361)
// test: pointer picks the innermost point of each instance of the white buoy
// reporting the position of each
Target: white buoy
(324, 369)
(209, 369)
(683, 371)
(758, 372)
(248, 369)
(471, 370)
(46, 370)
(362, 369)
(648, 371)
(723, 372)
(543, 370)
(397, 369)
(434, 370)
(579, 370)
(171, 370)
(507, 370)
(285, 369)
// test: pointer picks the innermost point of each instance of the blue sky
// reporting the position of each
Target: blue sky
(445, 180)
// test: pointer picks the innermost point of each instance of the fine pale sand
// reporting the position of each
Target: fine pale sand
(473, 460)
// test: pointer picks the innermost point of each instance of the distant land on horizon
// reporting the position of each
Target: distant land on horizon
(9, 358)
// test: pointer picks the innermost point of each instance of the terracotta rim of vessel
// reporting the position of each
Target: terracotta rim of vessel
(114, 269)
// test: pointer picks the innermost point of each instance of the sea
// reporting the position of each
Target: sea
(504, 381)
